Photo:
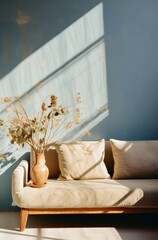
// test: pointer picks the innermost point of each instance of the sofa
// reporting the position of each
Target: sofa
(86, 177)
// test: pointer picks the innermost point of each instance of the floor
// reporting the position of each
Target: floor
(128, 227)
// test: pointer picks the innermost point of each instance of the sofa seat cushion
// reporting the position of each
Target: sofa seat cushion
(78, 194)
(150, 190)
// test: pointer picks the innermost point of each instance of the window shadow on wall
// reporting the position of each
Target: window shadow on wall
(73, 61)
(25, 26)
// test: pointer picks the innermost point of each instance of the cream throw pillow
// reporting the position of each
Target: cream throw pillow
(82, 160)
(135, 159)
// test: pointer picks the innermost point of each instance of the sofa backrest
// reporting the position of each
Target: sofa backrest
(53, 164)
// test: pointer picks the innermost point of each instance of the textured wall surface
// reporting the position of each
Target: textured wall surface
(131, 39)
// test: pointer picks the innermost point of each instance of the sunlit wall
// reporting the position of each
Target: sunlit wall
(117, 57)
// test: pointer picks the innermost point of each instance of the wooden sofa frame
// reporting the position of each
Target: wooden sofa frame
(26, 212)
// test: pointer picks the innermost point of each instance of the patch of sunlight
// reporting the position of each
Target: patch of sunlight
(74, 61)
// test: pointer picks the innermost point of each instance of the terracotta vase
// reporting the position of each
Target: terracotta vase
(39, 171)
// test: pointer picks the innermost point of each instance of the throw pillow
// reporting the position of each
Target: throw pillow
(82, 160)
(135, 159)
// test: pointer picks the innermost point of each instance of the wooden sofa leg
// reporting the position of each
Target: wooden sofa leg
(23, 218)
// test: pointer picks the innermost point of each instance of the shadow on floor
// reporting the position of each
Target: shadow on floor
(129, 226)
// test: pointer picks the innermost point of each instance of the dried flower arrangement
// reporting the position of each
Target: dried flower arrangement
(40, 130)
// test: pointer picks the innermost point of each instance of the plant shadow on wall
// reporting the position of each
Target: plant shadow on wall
(72, 62)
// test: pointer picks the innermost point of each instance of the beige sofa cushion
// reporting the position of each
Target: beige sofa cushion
(93, 193)
(82, 160)
(135, 159)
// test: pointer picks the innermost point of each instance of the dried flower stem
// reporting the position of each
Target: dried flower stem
(39, 131)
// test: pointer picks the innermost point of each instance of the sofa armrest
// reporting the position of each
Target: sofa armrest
(20, 176)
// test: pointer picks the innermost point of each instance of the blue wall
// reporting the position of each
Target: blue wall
(131, 31)
(131, 35)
